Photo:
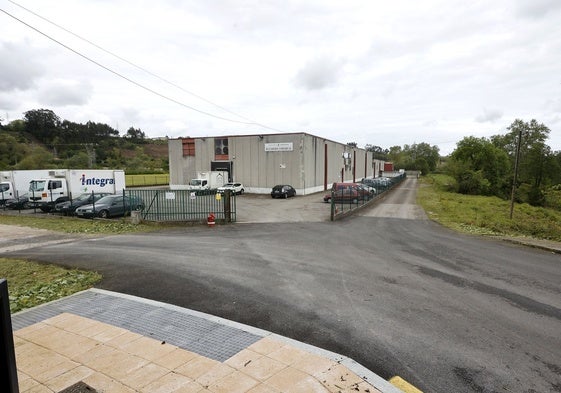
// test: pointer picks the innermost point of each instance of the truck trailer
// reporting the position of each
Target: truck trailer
(64, 184)
(14, 184)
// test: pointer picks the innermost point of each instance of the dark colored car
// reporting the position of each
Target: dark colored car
(19, 203)
(69, 207)
(111, 206)
(283, 191)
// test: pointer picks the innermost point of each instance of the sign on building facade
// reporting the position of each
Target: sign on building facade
(282, 146)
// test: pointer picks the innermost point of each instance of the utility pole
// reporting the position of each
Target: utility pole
(515, 172)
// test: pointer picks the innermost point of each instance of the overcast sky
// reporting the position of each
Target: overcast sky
(372, 72)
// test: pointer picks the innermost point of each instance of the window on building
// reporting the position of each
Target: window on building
(221, 149)
(188, 147)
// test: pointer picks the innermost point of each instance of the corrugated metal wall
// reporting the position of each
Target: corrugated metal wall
(304, 167)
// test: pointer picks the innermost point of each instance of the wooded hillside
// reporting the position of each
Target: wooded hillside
(42, 140)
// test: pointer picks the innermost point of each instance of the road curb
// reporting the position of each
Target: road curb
(403, 385)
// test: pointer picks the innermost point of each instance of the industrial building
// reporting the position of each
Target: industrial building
(308, 163)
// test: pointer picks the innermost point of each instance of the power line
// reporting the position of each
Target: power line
(133, 81)
(131, 63)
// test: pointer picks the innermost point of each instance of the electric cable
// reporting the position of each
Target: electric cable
(133, 81)
(131, 63)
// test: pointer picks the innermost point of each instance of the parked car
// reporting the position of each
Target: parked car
(283, 191)
(236, 188)
(111, 206)
(19, 203)
(350, 192)
(69, 207)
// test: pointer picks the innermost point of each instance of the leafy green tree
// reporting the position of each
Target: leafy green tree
(135, 134)
(42, 124)
(378, 153)
(419, 156)
(11, 152)
(79, 160)
(37, 157)
(423, 155)
(478, 160)
(16, 127)
(473, 183)
(533, 150)
(555, 168)
(395, 154)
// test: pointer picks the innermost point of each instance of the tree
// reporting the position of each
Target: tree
(395, 154)
(423, 154)
(135, 134)
(377, 152)
(42, 124)
(533, 150)
(79, 160)
(480, 167)
(534, 158)
(419, 156)
(37, 157)
(11, 152)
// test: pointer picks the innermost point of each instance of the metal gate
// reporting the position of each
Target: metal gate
(184, 205)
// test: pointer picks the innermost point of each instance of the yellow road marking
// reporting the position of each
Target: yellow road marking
(402, 384)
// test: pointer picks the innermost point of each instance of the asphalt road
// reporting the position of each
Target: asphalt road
(390, 289)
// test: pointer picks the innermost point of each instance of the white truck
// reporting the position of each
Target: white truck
(14, 184)
(208, 180)
(64, 184)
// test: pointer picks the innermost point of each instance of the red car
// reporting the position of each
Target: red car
(349, 192)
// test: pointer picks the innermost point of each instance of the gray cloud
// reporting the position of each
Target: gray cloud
(319, 73)
(489, 115)
(18, 69)
(63, 93)
(538, 8)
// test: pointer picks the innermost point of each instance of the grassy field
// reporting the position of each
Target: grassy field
(147, 180)
(31, 284)
(485, 215)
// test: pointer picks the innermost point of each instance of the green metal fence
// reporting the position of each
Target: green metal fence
(183, 205)
(344, 201)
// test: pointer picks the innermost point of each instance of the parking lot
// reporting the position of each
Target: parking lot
(252, 208)
(263, 208)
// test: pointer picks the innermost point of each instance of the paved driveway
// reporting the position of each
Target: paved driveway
(448, 312)
(262, 208)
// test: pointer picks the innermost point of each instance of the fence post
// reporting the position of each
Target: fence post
(227, 206)
(8, 369)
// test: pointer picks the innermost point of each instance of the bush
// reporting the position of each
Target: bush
(473, 183)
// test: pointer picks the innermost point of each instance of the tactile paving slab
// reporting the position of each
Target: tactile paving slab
(173, 325)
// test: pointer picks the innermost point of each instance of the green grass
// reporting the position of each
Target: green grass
(485, 215)
(76, 225)
(142, 180)
(31, 284)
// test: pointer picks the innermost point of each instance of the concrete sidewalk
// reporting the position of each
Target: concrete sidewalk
(110, 342)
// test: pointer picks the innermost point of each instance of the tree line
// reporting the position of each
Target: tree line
(479, 166)
(487, 166)
(42, 140)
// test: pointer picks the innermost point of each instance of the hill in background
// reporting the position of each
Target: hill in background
(42, 140)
